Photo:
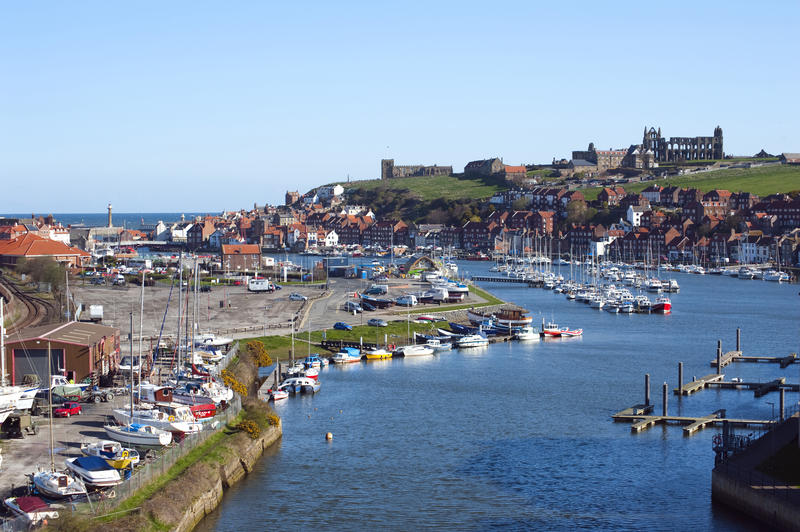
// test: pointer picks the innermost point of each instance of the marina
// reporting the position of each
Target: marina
(534, 462)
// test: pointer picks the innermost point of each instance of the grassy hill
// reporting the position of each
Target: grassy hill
(440, 199)
(762, 181)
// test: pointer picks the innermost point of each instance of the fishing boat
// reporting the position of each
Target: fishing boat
(113, 452)
(472, 340)
(662, 305)
(139, 435)
(94, 471)
(415, 350)
(526, 333)
(33, 510)
(347, 355)
(550, 329)
(378, 353)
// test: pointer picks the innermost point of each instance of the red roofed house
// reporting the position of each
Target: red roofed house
(30, 246)
(515, 172)
(241, 257)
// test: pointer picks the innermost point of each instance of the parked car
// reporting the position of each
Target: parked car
(70, 408)
(375, 322)
(205, 288)
(98, 280)
(351, 306)
(342, 326)
(294, 296)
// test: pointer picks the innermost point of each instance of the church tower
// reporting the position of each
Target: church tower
(716, 144)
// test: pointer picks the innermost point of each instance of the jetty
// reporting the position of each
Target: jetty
(642, 422)
(531, 283)
(736, 355)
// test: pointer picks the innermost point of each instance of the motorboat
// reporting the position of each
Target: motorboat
(526, 333)
(569, 333)
(437, 345)
(627, 307)
(654, 285)
(472, 340)
(415, 350)
(662, 305)
(314, 361)
(347, 355)
(210, 339)
(671, 286)
(113, 452)
(58, 484)
(300, 385)
(156, 418)
(278, 395)
(94, 471)
(550, 329)
(377, 354)
(139, 435)
(33, 510)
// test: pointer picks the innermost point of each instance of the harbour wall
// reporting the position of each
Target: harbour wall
(187, 499)
(738, 483)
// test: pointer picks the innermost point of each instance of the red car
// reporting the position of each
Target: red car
(67, 409)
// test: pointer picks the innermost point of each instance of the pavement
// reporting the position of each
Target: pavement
(22, 456)
(237, 313)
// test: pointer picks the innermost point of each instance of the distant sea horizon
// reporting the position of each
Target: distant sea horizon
(128, 220)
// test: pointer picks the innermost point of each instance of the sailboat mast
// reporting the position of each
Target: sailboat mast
(2, 345)
(131, 338)
(141, 329)
(50, 401)
(180, 307)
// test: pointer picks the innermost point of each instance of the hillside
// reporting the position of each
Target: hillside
(762, 181)
(440, 199)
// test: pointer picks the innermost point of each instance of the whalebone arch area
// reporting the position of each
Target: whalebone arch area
(195, 485)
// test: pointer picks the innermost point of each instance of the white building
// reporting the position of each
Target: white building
(331, 239)
(634, 215)
(329, 192)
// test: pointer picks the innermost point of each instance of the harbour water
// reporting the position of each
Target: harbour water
(519, 435)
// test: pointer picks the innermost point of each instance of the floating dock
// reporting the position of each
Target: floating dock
(642, 422)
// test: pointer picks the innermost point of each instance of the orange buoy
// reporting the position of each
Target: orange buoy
(329, 436)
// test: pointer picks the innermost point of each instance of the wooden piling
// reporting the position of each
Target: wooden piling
(738, 339)
(680, 378)
(647, 389)
(664, 398)
(783, 403)
(719, 357)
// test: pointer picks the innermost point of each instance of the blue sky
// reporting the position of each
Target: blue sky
(205, 106)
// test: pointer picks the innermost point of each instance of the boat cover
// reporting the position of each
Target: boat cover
(31, 504)
(92, 463)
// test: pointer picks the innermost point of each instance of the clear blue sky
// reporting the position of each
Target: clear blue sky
(204, 106)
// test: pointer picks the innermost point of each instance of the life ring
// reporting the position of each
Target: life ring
(171, 418)
(124, 454)
(717, 439)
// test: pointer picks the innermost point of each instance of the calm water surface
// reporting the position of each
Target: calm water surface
(519, 435)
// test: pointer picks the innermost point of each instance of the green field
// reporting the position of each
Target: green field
(431, 188)
(762, 181)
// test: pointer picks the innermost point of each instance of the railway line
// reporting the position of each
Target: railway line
(25, 309)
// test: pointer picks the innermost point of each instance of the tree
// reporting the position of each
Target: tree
(44, 270)
(576, 212)
(520, 204)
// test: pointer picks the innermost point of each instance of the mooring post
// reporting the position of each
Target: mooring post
(783, 402)
(647, 389)
(719, 357)
(680, 378)
(738, 339)
(664, 397)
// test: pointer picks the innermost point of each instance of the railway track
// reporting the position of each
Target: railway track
(35, 310)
